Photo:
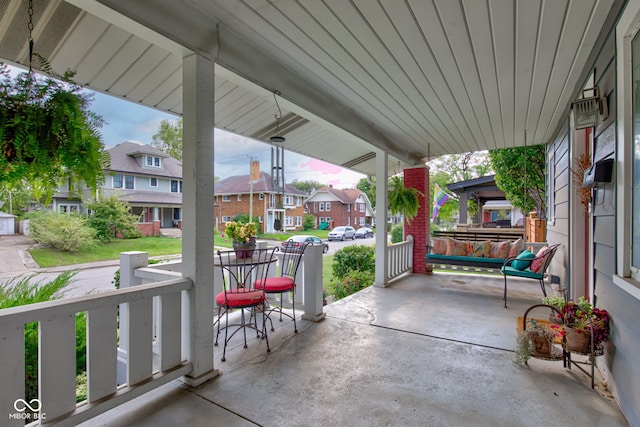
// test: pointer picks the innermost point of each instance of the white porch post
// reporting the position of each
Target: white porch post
(382, 161)
(197, 202)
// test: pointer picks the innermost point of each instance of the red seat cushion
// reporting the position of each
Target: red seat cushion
(240, 298)
(275, 284)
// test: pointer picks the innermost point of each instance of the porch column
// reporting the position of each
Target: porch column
(382, 162)
(418, 178)
(464, 209)
(197, 202)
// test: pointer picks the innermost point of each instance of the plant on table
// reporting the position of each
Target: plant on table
(241, 232)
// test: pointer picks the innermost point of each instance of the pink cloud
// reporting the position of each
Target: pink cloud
(319, 165)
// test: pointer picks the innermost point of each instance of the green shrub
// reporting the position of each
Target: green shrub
(353, 282)
(308, 222)
(61, 231)
(110, 216)
(353, 269)
(397, 233)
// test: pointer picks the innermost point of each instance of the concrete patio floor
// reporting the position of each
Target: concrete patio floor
(427, 351)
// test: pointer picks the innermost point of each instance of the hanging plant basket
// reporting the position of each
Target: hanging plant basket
(47, 131)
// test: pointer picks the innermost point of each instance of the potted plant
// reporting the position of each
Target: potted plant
(581, 321)
(243, 236)
(536, 341)
(403, 200)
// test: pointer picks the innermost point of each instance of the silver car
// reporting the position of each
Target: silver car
(343, 232)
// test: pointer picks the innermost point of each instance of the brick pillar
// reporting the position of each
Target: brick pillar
(418, 178)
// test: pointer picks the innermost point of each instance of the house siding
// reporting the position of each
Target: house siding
(619, 363)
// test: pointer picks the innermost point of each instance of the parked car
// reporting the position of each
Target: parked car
(364, 232)
(341, 233)
(296, 241)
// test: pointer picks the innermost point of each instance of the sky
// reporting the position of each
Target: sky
(127, 121)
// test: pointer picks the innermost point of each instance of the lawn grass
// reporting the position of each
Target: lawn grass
(153, 245)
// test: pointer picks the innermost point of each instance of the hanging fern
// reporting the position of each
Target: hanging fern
(47, 131)
(403, 201)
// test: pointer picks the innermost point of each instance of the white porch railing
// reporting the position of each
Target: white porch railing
(57, 351)
(399, 258)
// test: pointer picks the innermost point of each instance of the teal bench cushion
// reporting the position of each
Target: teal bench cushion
(510, 271)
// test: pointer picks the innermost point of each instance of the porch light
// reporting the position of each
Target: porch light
(586, 111)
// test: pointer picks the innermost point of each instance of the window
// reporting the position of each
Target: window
(327, 206)
(288, 221)
(321, 207)
(260, 219)
(239, 197)
(298, 201)
(635, 197)
(272, 201)
(153, 161)
(361, 207)
(348, 207)
(128, 182)
(327, 220)
(153, 182)
(261, 196)
(117, 180)
(298, 221)
(288, 199)
(226, 219)
(226, 198)
(176, 186)
(362, 221)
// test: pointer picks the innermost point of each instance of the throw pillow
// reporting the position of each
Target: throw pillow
(541, 257)
(523, 260)
(456, 247)
(479, 249)
(517, 246)
(439, 246)
(500, 249)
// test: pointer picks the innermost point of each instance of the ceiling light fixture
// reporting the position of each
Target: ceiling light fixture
(277, 138)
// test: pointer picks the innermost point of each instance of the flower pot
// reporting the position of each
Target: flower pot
(577, 340)
(244, 249)
(541, 345)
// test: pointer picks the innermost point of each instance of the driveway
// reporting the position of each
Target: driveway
(14, 258)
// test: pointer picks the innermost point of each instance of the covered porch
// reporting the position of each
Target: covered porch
(428, 350)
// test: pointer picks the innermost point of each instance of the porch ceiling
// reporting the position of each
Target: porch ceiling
(413, 78)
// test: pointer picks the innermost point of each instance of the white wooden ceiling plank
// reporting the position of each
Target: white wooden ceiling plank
(120, 63)
(111, 40)
(169, 65)
(358, 40)
(480, 33)
(574, 49)
(455, 25)
(527, 26)
(427, 19)
(139, 70)
(81, 39)
(408, 45)
(318, 44)
(501, 13)
(552, 20)
(164, 93)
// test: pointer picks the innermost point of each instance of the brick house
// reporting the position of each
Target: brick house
(149, 180)
(340, 207)
(275, 211)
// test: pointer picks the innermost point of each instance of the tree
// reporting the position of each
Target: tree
(368, 188)
(47, 131)
(462, 167)
(308, 186)
(168, 139)
(520, 173)
(110, 216)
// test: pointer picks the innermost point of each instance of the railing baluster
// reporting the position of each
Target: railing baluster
(169, 335)
(102, 350)
(57, 365)
(11, 367)
(139, 349)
